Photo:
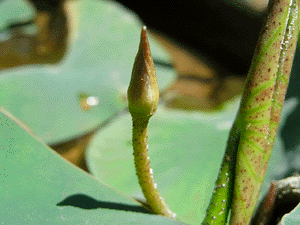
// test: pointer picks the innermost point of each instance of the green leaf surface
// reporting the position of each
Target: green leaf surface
(185, 149)
(291, 218)
(103, 40)
(14, 12)
(48, 100)
(37, 186)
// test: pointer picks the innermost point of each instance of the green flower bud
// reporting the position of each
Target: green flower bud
(143, 93)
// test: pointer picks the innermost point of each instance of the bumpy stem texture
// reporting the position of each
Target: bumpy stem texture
(144, 171)
(220, 203)
(262, 103)
(143, 97)
(252, 136)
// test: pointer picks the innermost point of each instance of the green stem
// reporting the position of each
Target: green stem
(220, 203)
(262, 103)
(253, 134)
(143, 96)
(144, 171)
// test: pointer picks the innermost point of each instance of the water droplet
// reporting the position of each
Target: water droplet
(223, 200)
(223, 185)
(151, 171)
(214, 217)
(92, 101)
(87, 102)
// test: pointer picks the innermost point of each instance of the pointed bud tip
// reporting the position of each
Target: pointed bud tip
(144, 33)
(145, 43)
(143, 90)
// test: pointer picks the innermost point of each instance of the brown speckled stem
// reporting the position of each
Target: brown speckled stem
(262, 103)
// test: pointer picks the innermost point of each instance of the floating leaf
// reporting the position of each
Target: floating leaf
(37, 186)
(98, 63)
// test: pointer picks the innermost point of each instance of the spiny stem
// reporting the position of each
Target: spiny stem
(143, 95)
(262, 103)
(253, 133)
(144, 171)
(220, 203)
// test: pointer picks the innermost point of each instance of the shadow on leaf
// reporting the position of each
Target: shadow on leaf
(86, 202)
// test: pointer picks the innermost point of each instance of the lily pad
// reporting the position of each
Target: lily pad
(185, 148)
(37, 186)
(15, 11)
(291, 218)
(103, 42)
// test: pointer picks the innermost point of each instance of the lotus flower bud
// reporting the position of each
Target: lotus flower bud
(143, 93)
